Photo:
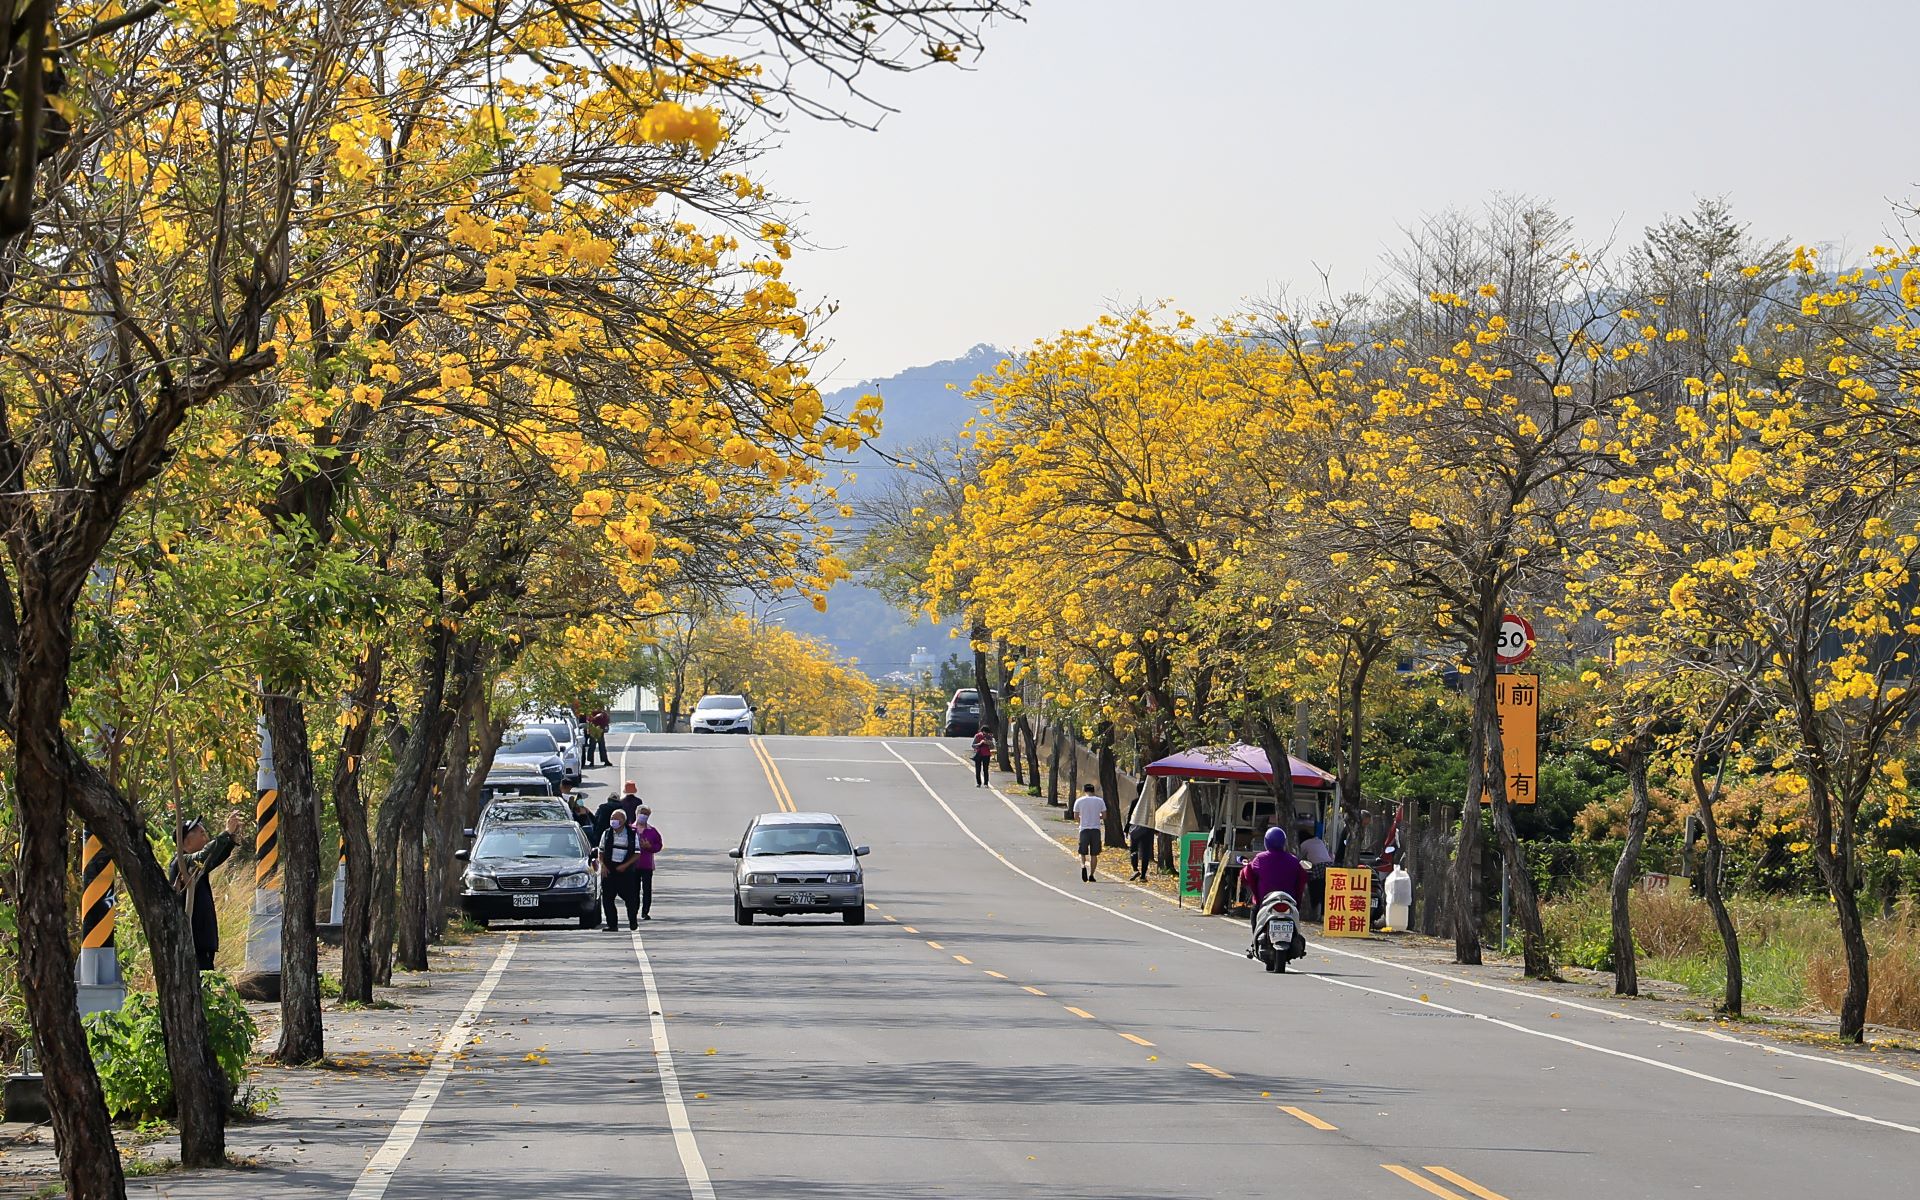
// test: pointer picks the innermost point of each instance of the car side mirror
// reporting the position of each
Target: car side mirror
(463, 855)
(466, 833)
(734, 853)
(862, 851)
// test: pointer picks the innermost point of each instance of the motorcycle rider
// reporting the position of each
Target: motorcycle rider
(1272, 870)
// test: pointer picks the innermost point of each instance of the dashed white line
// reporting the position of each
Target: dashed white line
(694, 1167)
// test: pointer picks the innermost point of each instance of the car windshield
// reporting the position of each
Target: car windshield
(560, 731)
(799, 839)
(507, 813)
(968, 697)
(547, 841)
(712, 702)
(531, 741)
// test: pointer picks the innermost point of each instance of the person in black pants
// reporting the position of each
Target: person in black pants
(1140, 844)
(195, 858)
(620, 871)
(982, 757)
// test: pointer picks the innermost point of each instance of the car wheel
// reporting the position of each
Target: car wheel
(741, 914)
(855, 916)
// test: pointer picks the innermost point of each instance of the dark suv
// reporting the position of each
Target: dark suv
(963, 714)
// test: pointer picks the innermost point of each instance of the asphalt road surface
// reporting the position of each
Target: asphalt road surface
(1000, 1029)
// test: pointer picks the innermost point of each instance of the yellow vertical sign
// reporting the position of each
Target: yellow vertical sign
(1349, 901)
(1517, 705)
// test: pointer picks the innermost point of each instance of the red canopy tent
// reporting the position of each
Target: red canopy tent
(1236, 762)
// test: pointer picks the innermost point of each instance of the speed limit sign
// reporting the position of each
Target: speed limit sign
(1515, 641)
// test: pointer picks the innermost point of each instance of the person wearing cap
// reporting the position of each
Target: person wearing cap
(195, 857)
(627, 802)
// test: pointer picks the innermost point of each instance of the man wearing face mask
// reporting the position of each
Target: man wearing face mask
(620, 871)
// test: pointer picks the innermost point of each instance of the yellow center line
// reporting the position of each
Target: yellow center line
(874, 907)
(1302, 1114)
(961, 958)
(885, 917)
(1216, 1072)
(1082, 1013)
(1462, 1181)
(782, 798)
(996, 974)
(910, 929)
(1426, 1185)
(936, 945)
(1036, 991)
(1136, 1040)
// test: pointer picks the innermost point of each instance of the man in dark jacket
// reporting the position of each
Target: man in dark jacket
(195, 858)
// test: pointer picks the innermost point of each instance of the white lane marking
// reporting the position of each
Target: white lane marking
(1555, 1001)
(1478, 1016)
(699, 1185)
(385, 1161)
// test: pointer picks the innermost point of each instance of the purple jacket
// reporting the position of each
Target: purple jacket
(1274, 871)
(649, 843)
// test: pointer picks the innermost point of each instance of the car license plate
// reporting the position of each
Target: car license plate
(806, 898)
(525, 901)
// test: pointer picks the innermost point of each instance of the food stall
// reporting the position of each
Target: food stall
(1228, 792)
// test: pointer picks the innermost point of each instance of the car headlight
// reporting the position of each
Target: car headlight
(576, 880)
(481, 883)
(762, 880)
(842, 877)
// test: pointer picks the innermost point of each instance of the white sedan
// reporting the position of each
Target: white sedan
(722, 714)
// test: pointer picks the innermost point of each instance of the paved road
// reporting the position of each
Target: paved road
(1000, 1029)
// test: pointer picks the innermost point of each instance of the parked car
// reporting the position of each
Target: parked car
(516, 779)
(566, 735)
(536, 748)
(519, 810)
(798, 863)
(532, 871)
(963, 714)
(722, 714)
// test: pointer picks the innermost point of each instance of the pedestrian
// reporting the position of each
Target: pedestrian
(650, 845)
(982, 755)
(619, 871)
(1092, 811)
(194, 860)
(1140, 845)
(589, 825)
(597, 726)
(1315, 857)
(627, 801)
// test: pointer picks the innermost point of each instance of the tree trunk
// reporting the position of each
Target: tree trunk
(37, 661)
(1464, 880)
(302, 1034)
(1053, 764)
(1001, 733)
(350, 809)
(1513, 858)
(1032, 747)
(1626, 972)
(983, 686)
(1353, 727)
(409, 788)
(1836, 867)
(1705, 796)
(200, 1089)
(1110, 786)
(443, 831)
(410, 951)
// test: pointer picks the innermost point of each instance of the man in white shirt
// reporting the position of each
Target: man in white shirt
(1092, 811)
(1313, 848)
(1316, 857)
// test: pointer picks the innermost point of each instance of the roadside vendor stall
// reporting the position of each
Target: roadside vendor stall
(1228, 793)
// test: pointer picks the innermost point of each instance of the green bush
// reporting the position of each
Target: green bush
(130, 1051)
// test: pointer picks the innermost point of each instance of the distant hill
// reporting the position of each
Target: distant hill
(921, 408)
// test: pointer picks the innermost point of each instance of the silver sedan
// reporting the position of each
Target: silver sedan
(797, 863)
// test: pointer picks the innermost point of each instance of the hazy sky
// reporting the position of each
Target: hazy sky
(1212, 151)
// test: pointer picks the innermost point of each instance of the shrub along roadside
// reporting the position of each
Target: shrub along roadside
(129, 1048)
(1791, 952)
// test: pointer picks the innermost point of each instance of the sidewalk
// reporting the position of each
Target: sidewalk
(1659, 1000)
(324, 1122)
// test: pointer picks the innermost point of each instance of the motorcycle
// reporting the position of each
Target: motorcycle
(1277, 939)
